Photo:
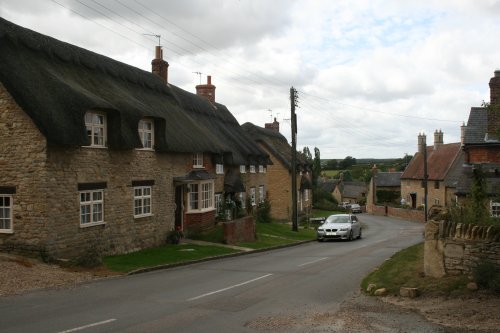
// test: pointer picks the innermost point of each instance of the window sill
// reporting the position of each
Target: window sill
(142, 216)
(144, 149)
(95, 147)
(200, 211)
(198, 167)
(88, 225)
(6, 231)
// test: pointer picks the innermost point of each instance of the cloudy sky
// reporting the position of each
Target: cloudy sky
(370, 74)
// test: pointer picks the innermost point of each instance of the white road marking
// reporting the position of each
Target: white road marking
(312, 262)
(88, 326)
(231, 287)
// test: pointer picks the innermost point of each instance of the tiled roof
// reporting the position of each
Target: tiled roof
(388, 179)
(477, 126)
(439, 162)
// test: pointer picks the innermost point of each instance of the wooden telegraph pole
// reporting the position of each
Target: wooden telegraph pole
(293, 102)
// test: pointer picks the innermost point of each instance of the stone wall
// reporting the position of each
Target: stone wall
(240, 230)
(456, 249)
(402, 213)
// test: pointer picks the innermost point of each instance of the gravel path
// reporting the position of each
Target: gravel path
(479, 313)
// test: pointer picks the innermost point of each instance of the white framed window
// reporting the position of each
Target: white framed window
(96, 128)
(252, 168)
(252, 196)
(243, 199)
(264, 170)
(146, 132)
(218, 203)
(91, 208)
(142, 201)
(201, 196)
(495, 208)
(261, 169)
(261, 193)
(436, 201)
(219, 169)
(306, 195)
(198, 160)
(243, 169)
(6, 214)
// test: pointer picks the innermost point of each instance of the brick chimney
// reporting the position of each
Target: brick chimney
(438, 139)
(494, 110)
(422, 139)
(462, 134)
(275, 125)
(160, 66)
(207, 90)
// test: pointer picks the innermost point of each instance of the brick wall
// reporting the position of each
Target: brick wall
(402, 213)
(199, 221)
(483, 155)
(240, 230)
(456, 249)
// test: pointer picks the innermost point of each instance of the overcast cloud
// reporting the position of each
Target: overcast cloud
(370, 74)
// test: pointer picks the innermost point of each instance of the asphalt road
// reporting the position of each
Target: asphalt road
(252, 293)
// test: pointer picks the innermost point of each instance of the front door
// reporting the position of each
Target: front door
(413, 200)
(179, 208)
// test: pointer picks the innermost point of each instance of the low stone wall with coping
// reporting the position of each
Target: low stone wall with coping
(456, 248)
(402, 213)
(239, 230)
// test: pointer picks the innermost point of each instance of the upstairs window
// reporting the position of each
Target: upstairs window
(146, 132)
(252, 168)
(6, 213)
(436, 184)
(198, 160)
(261, 169)
(495, 209)
(243, 169)
(96, 129)
(219, 169)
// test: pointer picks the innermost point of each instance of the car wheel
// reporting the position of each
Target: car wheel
(350, 236)
(359, 236)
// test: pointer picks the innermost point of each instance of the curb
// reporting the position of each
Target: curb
(231, 255)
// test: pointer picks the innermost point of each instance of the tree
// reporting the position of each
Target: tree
(478, 196)
(347, 162)
(316, 167)
(307, 154)
(331, 165)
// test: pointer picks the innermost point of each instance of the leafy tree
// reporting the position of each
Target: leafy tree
(316, 167)
(478, 196)
(347, 162)
(331, 165)
(307, 154)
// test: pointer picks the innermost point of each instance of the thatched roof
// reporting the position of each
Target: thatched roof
(56, 83)
(277, 145)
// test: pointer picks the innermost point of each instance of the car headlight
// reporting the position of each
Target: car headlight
(344, 229)
(321, 230)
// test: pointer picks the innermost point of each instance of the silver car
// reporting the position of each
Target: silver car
(339, 226)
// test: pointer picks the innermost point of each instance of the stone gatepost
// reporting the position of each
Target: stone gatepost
(433, 251)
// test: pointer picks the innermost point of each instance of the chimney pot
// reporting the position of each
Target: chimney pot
(159, 66)
(207, 90)
(209, 79)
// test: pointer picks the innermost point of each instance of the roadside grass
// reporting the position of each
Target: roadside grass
(277, 234)
(167, 254)
(406, 269)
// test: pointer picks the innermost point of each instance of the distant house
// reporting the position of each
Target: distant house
(352, 192)
(481, 147)
(440, 159)
(279, 171)
(328, 184)
(384, 186)
(99, 155)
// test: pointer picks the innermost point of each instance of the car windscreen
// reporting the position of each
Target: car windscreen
(337, 219)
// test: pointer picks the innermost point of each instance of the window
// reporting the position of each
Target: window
(201, 196)
(495, 208)
(252, 168)
(436, 184)
(252, 196)
(219, 169)
(436, 201)
(198, 160)
(146, 132)
(261, 193)
(243, 169)
(6, 213)
(264, 170)
(96, 129)
(243, 199)
(218, 203)
(142, 201)
(306, 195)
(91, 208)
(261, 169)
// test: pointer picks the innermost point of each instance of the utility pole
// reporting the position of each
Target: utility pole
(293, 103)
(426, 177)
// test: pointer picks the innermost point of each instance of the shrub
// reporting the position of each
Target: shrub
(487, 276)
(325, 205)
(263, 212)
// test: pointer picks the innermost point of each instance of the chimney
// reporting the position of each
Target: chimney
(421, 142)
(207, 90)
(160, 66)
(494, 110)
(462, 134)
(438, 139)
(275, 126)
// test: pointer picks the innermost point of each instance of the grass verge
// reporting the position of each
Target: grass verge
(276, 234)
(167, 254)
(406, 269)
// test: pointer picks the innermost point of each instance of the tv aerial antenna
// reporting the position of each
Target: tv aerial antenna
(199, 74)
(156, 36)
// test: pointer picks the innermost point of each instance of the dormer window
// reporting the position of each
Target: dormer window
(198, 160)
(146, 132)
(219, 169)
(95, 123)
(261, 169)
(252, 168)
(243, 169)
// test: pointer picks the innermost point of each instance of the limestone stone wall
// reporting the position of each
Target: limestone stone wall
(455, 249)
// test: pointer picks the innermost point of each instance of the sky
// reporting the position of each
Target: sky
(370, 74)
